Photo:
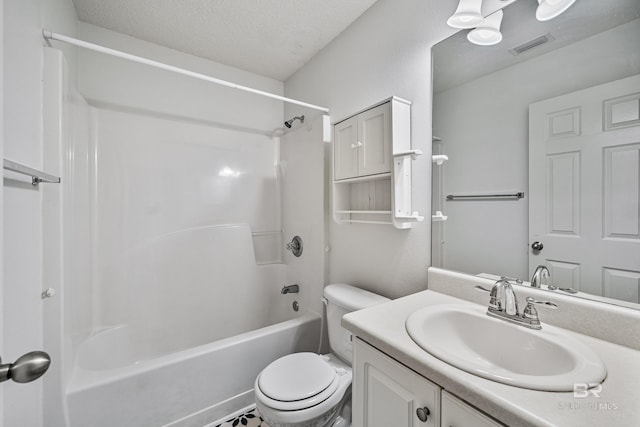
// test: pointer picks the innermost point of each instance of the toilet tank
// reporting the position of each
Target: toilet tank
(343, 299)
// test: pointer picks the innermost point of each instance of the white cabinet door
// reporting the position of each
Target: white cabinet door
(386, 393)
(362, 144)
(345, 149)
(456, 413)
(374, 136)
(584, 181)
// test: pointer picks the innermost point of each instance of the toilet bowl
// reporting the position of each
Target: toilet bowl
(311, 390)
(302, 389)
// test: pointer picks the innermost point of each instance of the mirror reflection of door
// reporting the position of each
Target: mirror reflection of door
(481, 99)
(584, 183)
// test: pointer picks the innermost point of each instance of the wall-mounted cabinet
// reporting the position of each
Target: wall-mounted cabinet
(372, 166)
(362, 144)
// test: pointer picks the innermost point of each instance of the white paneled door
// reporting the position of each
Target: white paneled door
(584, 183)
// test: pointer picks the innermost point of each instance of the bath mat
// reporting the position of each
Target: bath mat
(250, 418)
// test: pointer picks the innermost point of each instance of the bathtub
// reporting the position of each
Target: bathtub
(192, 387)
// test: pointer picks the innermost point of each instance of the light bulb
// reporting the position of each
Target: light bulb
(488, 32)
(549, 9)
(467, 15)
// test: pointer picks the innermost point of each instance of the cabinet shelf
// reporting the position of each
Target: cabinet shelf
(364, 221)
(365, 212)
(363, 217)
(377, 177)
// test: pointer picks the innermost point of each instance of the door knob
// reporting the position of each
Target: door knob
(29, 367)
(423, 414)
(537, 246)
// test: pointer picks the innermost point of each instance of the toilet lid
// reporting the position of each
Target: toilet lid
(296, 377)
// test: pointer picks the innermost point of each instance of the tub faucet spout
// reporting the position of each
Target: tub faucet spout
(290, 289)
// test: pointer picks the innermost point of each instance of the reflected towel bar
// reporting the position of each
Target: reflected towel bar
(36, 176)
(485, 196)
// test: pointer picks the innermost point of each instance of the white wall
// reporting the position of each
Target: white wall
(484, 126)
(23, 255)
(385, 52)
(303, 198)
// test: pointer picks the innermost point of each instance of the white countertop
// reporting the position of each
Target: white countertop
(383, 326)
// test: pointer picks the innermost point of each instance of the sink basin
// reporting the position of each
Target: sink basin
(465, 337)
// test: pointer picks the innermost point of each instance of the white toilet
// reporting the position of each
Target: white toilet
(311, 390)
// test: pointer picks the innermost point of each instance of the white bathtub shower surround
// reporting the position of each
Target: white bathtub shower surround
(193, 312)
(165, 259)
(189, 288)
(157, 174)
(172, 247)
(185, 289)
(193, 387)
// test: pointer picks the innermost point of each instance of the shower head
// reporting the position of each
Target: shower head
(289, 123)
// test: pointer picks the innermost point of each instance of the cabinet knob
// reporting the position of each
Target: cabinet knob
(423, 414)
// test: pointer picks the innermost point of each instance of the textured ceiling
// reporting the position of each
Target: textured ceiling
(273, 38)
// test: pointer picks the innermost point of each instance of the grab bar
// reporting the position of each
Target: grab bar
(519, 195)
(36, 176)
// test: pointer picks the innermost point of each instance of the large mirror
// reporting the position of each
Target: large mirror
(542, 133)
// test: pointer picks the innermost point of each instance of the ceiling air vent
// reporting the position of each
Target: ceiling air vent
(522, 48)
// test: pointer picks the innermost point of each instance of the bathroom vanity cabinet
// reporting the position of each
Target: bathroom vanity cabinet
(387, 393)
(457, 413)
(385, 355)
(372, 166)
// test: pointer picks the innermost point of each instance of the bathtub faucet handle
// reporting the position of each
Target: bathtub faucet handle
(295, 246)
(290, 289)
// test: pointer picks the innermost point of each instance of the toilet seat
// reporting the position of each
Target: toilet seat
(297, 381)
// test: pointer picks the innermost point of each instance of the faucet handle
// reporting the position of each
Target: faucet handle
(530, 314)
(549, 304)
(512, 279)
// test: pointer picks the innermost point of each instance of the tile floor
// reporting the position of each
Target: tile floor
(250, 418)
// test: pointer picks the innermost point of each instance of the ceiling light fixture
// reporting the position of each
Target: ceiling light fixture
(488, 32)
(467, 15)
(549, 9)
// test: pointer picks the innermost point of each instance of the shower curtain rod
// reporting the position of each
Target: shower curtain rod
(48, 35)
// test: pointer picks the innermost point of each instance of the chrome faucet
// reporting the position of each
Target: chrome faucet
(503, 299)
(504, 305)
(290, 289)
(540, 273)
